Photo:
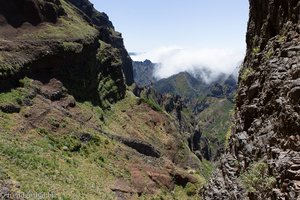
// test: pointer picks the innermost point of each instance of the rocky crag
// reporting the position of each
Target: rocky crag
(143, 73)
(78, 46)
(262, 160)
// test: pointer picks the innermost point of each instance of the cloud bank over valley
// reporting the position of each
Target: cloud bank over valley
(174, 59)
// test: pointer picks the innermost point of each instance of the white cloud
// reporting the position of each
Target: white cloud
(174, 59)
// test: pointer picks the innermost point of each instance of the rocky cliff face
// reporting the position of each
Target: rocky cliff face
(143, 73)
(54, 39)
(267, 120)
(108, 35)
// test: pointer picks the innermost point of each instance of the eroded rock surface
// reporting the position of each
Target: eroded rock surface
(267, 120)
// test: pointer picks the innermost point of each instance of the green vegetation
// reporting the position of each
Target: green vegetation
(111, 86)
(13, 96)
(256, 180)
(88, 106)
(182, 84)
(68, 28)
(152, 104)
(281, 38)
(207, 169)
(9, 67)
(246, 71)
(51, 163)
(72, 47)
(109, 55)
(16, 95)
(215, 121)
(191, 189)
(256, 50)
(270, 53)
(227, 137)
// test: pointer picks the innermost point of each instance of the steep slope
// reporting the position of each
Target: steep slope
(65, 45)
(202, 109)
(207, 106)
(143, 73)
(55, 146)
(183, 84)
(70, 128)
(108, 35)
(193, 86)
(262, 161)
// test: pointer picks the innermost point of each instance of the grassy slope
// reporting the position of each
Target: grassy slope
(216, 120)
(182, 84)
(69, 27)
(42, 159)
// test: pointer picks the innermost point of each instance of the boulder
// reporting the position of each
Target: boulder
(9, 108)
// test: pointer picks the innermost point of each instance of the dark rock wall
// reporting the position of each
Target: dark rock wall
(143, 73)
(267, 118)
(108, 35)
(17, 12)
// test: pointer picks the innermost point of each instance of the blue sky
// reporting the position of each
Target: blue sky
(149, 24)
(182, 35)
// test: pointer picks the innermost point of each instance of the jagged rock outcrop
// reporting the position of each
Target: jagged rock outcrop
(200, 145)
(108, 35)
(143, 73)
(67, 40)
(267, 120)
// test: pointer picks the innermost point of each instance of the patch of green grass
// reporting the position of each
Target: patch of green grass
(68, 28)
(246, 71)
(3, 174)
(72, 47)
(227, 137)
(14, 96)
(8, 68)
(25, 82)
(270, 53)
(219, 113)
(281, 38)
(256, 50)
(11, 96)
(207, 169)
(89, 107)
(39, 164)
(152, 104)
(257, 180)
(26, 158)
(191, 189)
